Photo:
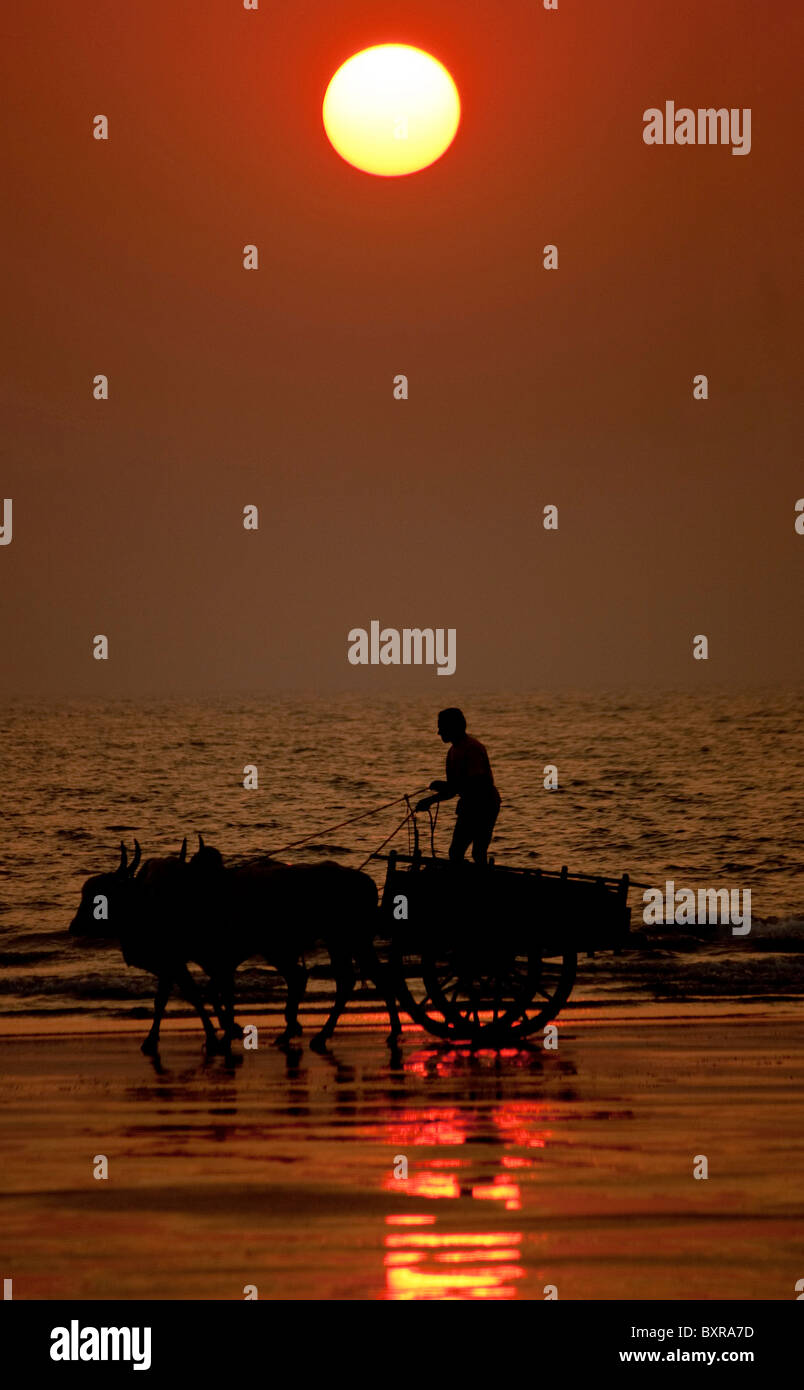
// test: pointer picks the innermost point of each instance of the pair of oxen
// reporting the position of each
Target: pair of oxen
(171, 912)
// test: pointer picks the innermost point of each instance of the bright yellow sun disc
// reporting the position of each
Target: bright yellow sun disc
(391, 110)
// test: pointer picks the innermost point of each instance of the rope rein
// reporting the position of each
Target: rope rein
(407, 816)
(433, 824)
(294, 844)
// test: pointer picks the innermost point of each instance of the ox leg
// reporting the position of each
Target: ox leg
(191, 992)
(296, 981)
(220, 992)
(374, 970)
(344, 988)
(227, 994)
(215, 995)
(164, 985)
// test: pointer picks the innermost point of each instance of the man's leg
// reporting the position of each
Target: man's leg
(484, 829)
(462, 837)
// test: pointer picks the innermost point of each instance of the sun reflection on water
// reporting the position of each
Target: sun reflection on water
(489, 1264)
(456, 1251)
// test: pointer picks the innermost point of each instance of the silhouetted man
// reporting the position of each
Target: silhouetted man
(469, 777)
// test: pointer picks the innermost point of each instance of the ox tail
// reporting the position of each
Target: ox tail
(367, 929)
(365, 923)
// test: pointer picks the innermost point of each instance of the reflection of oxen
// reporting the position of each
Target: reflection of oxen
(280, 912)
(146, 913)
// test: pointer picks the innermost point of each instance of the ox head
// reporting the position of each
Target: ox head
(104, 898)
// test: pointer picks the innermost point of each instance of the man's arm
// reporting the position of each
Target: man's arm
(444, 791)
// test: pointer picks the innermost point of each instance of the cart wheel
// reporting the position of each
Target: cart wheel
(483, 992)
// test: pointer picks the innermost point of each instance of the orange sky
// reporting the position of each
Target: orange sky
(527, 387)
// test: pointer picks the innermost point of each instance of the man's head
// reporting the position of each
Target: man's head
(451, 725)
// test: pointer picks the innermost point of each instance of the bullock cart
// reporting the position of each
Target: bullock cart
(488, 954)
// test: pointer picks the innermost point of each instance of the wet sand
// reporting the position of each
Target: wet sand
(525, 1169)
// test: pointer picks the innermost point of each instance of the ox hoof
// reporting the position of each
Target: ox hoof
(150, 1047)
(213, 1047)
(319, 1042)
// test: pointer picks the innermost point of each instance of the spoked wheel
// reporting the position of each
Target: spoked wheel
(483, 991)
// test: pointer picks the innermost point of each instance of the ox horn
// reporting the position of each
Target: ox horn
(183, 850)
(121, 868)
(135, 863)
(200, 842)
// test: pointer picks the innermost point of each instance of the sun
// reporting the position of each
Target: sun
(391, 110)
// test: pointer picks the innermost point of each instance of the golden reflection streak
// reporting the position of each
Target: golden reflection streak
(422, 1263)
(483, 1239)
(494, 1255)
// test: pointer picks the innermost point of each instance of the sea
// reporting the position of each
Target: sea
(703, 789)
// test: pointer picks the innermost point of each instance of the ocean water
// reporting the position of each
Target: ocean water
(704, 789)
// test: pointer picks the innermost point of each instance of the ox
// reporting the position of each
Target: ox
(146, 913)
(280, 912)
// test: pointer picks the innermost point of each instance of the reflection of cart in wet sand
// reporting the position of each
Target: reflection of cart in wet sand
(488, 955)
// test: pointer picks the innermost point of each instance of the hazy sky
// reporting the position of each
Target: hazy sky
(274, 387)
